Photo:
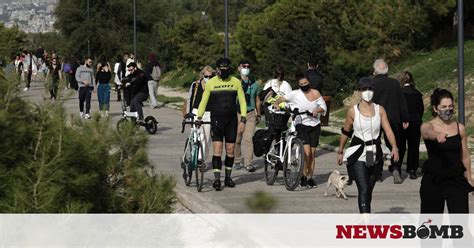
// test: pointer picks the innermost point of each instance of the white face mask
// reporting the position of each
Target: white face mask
(367, 95)
(245, 71)
(206, 79)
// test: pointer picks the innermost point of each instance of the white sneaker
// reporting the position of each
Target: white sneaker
(81, 114)
(25, 89)
(106, 113)
(87, 116)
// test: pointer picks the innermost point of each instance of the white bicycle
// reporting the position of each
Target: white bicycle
(150, 123)
(286, 151)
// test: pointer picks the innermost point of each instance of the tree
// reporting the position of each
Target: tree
(13, 40)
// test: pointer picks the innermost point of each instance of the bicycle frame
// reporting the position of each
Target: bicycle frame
(194, 138)
(287, 137)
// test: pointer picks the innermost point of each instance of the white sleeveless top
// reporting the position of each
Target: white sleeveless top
(366, 129)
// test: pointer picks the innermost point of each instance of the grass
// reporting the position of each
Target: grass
(179, 78)
(431, 68)
(167, 99)
(329, 138)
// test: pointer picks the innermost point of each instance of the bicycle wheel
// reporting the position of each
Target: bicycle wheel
(199, 166)
(121, 125)
(293, 170)
(271, 171)
(151, 125)
(186, 163)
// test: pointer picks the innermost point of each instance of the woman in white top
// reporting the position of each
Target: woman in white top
(308, 128)
(278, 83)
(366, 153)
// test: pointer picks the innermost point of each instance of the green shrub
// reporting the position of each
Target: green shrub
(54, 163)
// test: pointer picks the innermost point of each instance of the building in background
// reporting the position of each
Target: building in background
(31, 16)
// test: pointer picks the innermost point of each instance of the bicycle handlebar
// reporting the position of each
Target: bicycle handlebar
(294, 112)
(183, 124)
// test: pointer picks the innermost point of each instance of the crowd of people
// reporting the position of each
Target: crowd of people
(382, 111)
(234, 105)
(136, 85)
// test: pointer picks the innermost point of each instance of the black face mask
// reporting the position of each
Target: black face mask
(225, 73)
(304, 88)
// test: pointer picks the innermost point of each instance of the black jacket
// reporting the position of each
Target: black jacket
(389, 94)
(315, 80)
(139, 82)
(414, 99)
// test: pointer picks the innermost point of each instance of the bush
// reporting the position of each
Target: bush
(55, 163)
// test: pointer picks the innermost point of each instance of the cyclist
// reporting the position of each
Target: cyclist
(138, 82)
(308, 128)
(221, 93)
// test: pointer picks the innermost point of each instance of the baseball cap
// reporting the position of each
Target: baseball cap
(365, 82)
(223, 62)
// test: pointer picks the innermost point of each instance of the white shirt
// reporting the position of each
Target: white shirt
(281, 89)
(297, 99)
(116, 71)
(367, 129)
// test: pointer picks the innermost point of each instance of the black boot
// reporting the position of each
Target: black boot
(228, 182)
(217, 185)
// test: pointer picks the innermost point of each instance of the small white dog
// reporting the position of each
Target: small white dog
(339, 182)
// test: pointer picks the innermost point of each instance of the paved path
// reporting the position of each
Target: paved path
(165, 149)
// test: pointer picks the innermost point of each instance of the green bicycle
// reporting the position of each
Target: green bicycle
(192, 159)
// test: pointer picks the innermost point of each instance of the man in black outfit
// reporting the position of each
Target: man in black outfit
(314, 76)
(138, 83)
(388, 93)
(412, 134)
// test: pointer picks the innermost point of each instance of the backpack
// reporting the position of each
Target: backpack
(156, 73)
(262, 140)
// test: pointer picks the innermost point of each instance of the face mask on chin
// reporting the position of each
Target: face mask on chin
(446, 114)
(367, 95)
(206, 79)
(304, 88)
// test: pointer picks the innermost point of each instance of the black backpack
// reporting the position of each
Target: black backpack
(262, 140)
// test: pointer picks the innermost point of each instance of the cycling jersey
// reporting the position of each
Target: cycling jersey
(222, 96)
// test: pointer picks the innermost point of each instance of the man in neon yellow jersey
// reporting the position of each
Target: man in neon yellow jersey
(221, 93)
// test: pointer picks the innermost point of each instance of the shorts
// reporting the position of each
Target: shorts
(224, 127)
(308, 134)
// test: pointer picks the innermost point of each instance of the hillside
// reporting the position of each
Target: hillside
(432, 70)
(439, 69)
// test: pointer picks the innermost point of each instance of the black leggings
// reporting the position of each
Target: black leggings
(365, 179)
(433, 196)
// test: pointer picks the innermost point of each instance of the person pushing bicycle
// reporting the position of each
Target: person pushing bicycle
(221, 93)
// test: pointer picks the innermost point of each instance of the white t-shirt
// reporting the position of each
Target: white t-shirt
(116, 71)
(297, 99)
(282, 89)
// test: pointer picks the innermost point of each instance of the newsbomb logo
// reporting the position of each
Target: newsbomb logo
(399, 231)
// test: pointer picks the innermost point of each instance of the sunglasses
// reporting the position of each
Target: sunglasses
(129, 69)
(245, 66)
(208, 76)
